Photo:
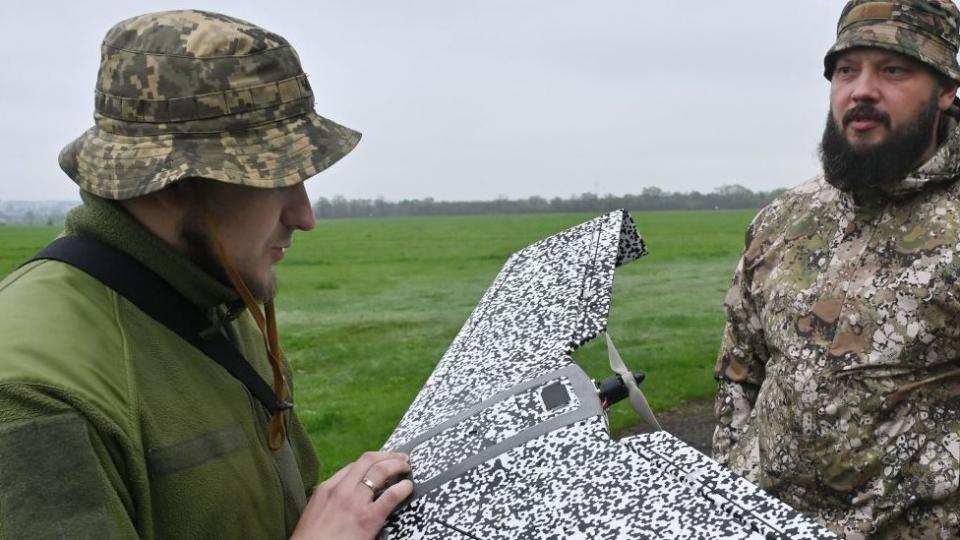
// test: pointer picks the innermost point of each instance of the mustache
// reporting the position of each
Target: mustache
(866, 111)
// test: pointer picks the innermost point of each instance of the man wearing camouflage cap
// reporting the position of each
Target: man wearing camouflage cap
(115, 420)
(839, 371)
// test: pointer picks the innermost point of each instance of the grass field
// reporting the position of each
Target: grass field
(367, 307)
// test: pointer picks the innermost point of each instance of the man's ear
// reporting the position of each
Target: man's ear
(947, 95)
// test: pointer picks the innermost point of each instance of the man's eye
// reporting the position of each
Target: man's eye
(843, 70)
(895, 70)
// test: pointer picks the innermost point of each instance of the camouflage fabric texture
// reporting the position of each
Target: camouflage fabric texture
(928, 30)
(839, 370)
(193, 93)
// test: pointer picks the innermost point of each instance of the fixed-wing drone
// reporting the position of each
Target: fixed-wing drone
(508, 438)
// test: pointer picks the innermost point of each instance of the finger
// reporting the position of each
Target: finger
(391, 498)
(381, 476)
(367, 460)
(382, 471)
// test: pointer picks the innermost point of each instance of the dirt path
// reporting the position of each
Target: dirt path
(692, 423)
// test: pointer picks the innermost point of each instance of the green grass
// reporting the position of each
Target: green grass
(367, 307)
(17, 244)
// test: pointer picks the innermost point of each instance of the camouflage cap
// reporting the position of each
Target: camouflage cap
(197, 94)
(923, 29)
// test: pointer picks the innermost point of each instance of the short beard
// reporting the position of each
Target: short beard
(199, 248)
(866, 170)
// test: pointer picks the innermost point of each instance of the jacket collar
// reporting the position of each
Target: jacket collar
(108, 222)
(943, 167)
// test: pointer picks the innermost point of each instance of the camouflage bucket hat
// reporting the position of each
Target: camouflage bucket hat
(926, 30)
(196, 94)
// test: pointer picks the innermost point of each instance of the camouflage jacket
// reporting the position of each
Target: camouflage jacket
(839, 371)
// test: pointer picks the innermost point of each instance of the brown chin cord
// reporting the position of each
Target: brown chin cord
(277, 430)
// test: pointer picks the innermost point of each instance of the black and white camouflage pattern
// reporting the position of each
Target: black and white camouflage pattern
(508, 439)
(490, 426)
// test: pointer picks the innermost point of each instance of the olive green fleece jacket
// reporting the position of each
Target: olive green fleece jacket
(111, 426)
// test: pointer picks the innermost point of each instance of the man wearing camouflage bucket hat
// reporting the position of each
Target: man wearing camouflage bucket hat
(116, 420)
(839, 370)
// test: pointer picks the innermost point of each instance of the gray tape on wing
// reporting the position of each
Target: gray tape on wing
(583, 387)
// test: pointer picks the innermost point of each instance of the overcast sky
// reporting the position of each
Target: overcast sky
(476, 99)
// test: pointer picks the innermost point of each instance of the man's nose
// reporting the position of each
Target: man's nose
(866, 87)
(297, 212)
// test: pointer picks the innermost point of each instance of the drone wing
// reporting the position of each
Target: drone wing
(508, 438)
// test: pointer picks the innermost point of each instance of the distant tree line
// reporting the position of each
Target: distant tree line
(31, 213)
(31, 219)
(725, 197)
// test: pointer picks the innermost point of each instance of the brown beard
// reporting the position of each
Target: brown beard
(195, 237)
(865, 170)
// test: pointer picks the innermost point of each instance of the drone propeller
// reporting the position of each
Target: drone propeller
(637, 400)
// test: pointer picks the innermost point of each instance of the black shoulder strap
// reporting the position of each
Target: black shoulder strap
(158, 299)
